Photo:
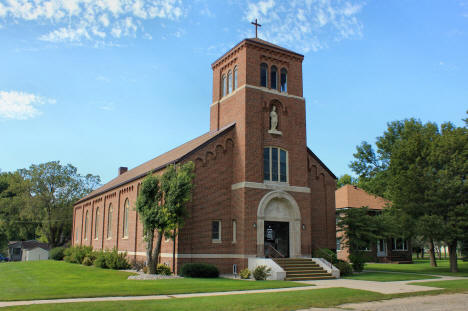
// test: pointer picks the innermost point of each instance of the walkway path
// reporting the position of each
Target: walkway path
(380, 287)
(452, 302)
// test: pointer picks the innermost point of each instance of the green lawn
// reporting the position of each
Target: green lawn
(458, 285)
(268, 301)
(56, 279)
(388, 277)
(421, 266)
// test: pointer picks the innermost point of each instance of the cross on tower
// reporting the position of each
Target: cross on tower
(256, 26)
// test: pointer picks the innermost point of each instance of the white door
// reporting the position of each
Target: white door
(381, 248)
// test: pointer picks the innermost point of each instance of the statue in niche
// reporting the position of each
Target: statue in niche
(274, 122)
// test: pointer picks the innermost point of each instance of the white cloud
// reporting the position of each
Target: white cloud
(88, 20)
(107, 107)
(305, 25)
(20, 105)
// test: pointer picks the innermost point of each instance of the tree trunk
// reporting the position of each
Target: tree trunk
(149, 251)
(173, 250)
(422, 252)
(431, 253)
(453, 256)
(157, 251)
(417, 253)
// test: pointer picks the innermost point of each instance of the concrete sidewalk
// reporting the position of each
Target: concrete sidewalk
(380, 287)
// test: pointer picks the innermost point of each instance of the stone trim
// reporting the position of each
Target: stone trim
(270, 186)
(260, 88)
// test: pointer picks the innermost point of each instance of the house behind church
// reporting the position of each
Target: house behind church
(383, 250)
(259, 191)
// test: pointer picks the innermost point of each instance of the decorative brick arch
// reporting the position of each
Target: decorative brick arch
(279, 206)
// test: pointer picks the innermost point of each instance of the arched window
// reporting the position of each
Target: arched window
(109, 221)
(273, 78)
(263, 74)
(223, 86)
(229, 82)
(284, 80)
(96, 224)
(275, 164)
(125, 218)
(86, 226)
(235, 78)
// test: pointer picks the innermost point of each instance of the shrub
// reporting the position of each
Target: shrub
(57, 253)
(261, 273)
(245, 274)
(163, 269)
(100, 260)
(145, 269)
(200, 270)
(116, 261)
(137, 265)
(326, 254)
(344, 267)
(87, 261)
(357, 260)
(77, 254)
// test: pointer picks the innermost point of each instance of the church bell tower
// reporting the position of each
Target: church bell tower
(258, 86)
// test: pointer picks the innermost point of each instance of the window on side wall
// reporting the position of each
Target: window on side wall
(216, 231)
(338, 244)
(263, 75)
(399, 244)
(284, 80)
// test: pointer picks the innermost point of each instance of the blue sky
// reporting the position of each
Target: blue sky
(109, 83)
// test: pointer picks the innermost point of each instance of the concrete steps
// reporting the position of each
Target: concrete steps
(302, 269)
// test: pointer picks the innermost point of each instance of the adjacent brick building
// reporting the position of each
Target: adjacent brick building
(258, 188)
(384, 250)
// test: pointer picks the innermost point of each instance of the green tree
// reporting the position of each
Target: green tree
(153, 215)
(54, 188)
(161, 204)
(177, 184)
(346, 180)
(17, 220)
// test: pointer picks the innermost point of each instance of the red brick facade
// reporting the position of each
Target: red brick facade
(229, 185)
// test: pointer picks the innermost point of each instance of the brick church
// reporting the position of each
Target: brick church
(259, 191)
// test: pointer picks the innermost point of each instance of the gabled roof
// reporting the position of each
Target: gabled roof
(350, 196)
(173, 156)
(28, 244)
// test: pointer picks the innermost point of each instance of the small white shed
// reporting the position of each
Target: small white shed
(37, 253)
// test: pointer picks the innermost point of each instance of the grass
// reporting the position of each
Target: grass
(389, 277)
(268, 301)
(455, 285)
(422, 267)
(56, 279)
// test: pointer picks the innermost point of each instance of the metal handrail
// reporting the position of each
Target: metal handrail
(276, 253)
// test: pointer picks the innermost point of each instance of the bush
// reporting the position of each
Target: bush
(261, 273)
(57, 253)
(87, 261)
(199, 270)
(100, 261)
(137, 265)
(326, 254)
(344, 267)
(116, 261)
(163, 269)
(245, 274)
(357, 261)
(77, 254)
(145, 269)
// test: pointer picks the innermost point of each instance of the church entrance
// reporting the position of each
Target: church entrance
(276, 239)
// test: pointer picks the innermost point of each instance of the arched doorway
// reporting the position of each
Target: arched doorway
(278, 219)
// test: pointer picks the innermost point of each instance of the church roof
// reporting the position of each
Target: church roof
(173, 156)
(350, 196)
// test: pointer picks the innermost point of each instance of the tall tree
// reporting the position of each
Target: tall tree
(153, 215)
(177, 184)
(54, 188)
(161, 204)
